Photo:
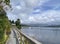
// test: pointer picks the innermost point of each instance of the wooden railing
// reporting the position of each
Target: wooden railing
(24, 39)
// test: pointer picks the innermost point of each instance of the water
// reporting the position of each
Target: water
(46, 35)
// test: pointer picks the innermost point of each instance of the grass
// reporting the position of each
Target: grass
(5, 39)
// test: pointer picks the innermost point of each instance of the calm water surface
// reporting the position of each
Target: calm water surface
(46, 35)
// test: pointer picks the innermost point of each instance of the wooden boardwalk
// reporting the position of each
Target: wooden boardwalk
(18, 37)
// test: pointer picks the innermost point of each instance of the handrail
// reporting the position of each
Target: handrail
(29, 38)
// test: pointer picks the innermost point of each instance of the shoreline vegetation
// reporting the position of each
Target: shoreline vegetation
(16, 23)
(24, 25)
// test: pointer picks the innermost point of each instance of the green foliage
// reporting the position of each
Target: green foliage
(18, 24)
(4, 23)
(12, 21)
(7, 2)
(4, 26)
(1, 34)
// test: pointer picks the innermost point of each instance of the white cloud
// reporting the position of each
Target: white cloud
(31, 18)
(38, 10)
(25, 8)
(12, 17)
(31, 3)
(46, 17)
(43, 1)
(18, 7)
(34, 3)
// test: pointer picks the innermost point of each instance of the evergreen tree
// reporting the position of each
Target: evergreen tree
(18, 24)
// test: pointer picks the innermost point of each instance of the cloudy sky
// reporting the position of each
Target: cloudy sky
(35, 11)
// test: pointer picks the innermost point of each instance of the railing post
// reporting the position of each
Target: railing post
(24, 39)
(20, 39)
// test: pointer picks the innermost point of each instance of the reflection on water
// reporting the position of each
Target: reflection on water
(46, 35)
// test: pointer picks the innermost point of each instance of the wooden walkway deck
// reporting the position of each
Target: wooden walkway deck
(18, 37)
